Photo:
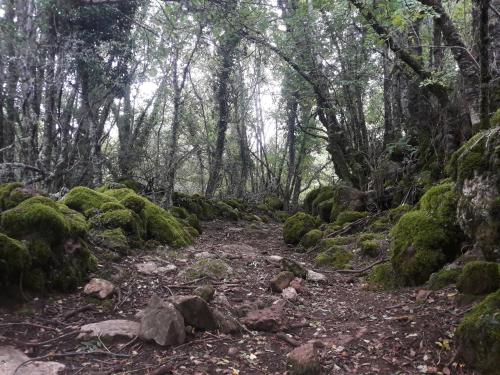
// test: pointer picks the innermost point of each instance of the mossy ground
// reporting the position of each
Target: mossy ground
(297, 226)
(311, 238)
(209, 267)
(443, 278)
(479, 278)
(335, 256)
(384, 277)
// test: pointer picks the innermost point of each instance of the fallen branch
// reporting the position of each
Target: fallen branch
(27, 324)
(288, 339)
(71, 313)
(363, 270)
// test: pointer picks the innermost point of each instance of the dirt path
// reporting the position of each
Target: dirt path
(361, 331)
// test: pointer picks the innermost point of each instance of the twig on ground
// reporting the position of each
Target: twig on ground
(72, 313)
(28, 324)
(289, 340)
(40, 343)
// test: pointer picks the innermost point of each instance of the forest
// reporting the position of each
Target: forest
(249, 187)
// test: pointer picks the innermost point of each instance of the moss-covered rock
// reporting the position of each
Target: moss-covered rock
(208, 267)
(346, 217)
(440, 201)
(226, 211)
(335, 256)
(163, 227)
(336, 241)
(325, 209)
(274, 203)
(370, 247)
(111, 239)
(479, 278)
(347, 198)
(14, 260)
(395, 214)
(195, 204)
(82, 199)
(310, 197)
(383, 277)
(478, 336)
(311, 238)
(325, 193)
(297, 226)
(13, 193)
(475, 168)
(420, 246)
(443, 278)
(125, 219)
(380, 225)
(282, 216)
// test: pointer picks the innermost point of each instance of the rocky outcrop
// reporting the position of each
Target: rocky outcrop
(13, 360)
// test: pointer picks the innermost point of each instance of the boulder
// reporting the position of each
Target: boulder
(294, 267)
(205, 291)
(304, 360)
(225, 323)
(100, 288)
(11, 358)
(162, 323)
(153, 268)
(110, 330)
(297, 226)
(269, 319)
(195, 311)
(281, 281)
(475, 167)
(478, 278)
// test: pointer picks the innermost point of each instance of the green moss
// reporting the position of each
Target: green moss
(336, 241)
(36, 217)
(369, 236)
(380, 225)
(123, 218)
(420, 246)
(440, 202)
(195, 204)
(335, 256)
(77, 225)
(470, 157)
(395, 214)
(41, 253)
(179, 212)
(35, 280)
(133, 202)
(111, 239)
(325, 209)
(383, 277)
(13, 193)
(282, 216)
(478, 335)
(110, 206)
(131, 184)
(274, 203)
(443, 278)
(370, 248)
(226, 211)
(14, 260)
(331, 228)
(479, 278)
(208, 267)
(310, 197)
(237, 204)
(163, 227)
(326, 193)
(297, 226)
(346, 217)
(311, 238)
(82, 199)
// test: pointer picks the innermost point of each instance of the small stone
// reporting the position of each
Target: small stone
(162, 323)
(11, 358)
(110, 330)
(204, 254)
(422, 295)
(205, 291)
(195, 311)
(315, 276)
(274, 258)
(298, 284)
(232, 351)
(304, 360)
(281, 281)
(152, 268)
(289, 293)
(225, 323)
(296, 268)
(100, 288)
(267, 320)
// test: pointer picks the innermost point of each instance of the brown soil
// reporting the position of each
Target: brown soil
(362, 331)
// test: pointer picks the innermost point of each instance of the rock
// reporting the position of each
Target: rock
(281, 281)
(195, 311)
(162, 323)
(205, 254)
(110, 330)
(298, 284)
(267, 320)
(274, 258)
(221, 299)
(225, 323)
(152, 268)
(304, 360)
(479, 277)
(422, 295)
(206, 292)
(296, 268)
(11, 358)
(289, 293)
(99, 287)
(315, 276)
(297, 226)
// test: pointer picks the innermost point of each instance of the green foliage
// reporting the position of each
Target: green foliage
(395, 214)
(336, 241)
(297, 226)
(311, 238)
(274, 203)
(346, 217)
(478, 335)
(443, 278)
(479, 278)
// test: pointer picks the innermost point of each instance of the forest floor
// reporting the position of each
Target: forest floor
(361, 331)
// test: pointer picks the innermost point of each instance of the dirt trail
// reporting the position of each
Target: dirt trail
(361, 331)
